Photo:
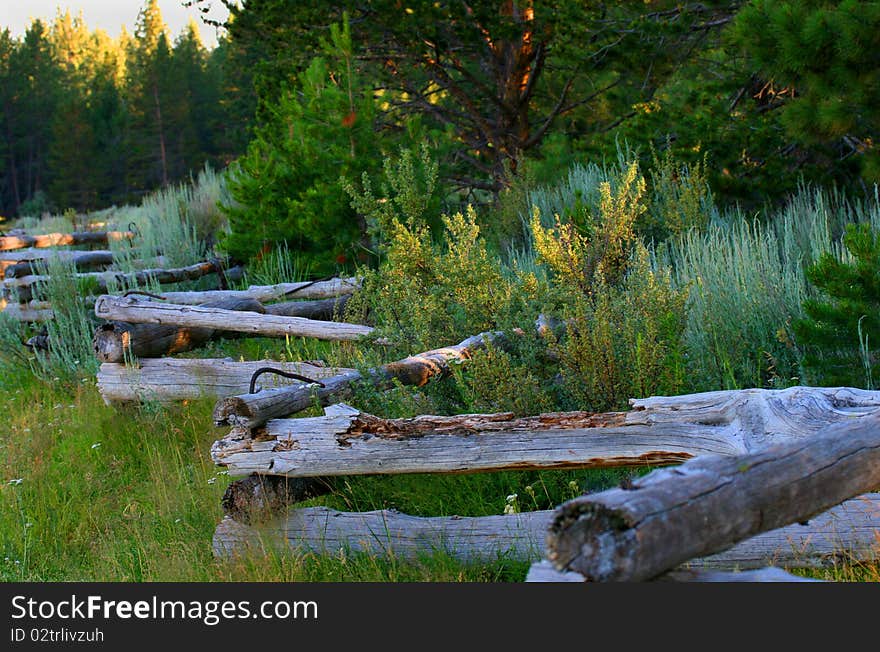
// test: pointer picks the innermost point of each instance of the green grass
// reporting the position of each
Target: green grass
(131, 494)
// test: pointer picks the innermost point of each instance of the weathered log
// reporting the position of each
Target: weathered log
(24, 286)
(116, 340)
(657, 432)
(35, 311)
(258, 498)
(176, 379)
(253, 410)
(543, 571)
(709, 503)
(26, 261)
(848, 531)
(265, 293)
(10, 242)
(135, 309)
(326, 309)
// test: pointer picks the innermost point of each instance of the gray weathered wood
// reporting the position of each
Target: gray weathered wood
(24, 287)
(543, 571)
(251, 411)
(177, 379)
(708, 504)
(24, 262)
(848, 531)
(259, 498)
(265, 293)
(327, 309)
(136, 310)
(34, 311)
(10, 242)
(117, 341)
(657, 432)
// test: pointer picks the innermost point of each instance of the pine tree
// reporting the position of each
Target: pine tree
(287, 187)
(824, 53)
(841, 335)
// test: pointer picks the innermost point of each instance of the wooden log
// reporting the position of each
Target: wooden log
(658, 432)
(177, 379)
(24, 286)
(708, 504)
(81, 259)
(543, 571)
(253, 410)
(137, 310)
(115, 341)
(326, 309)
(851, 530)
(266, 293)
(35, 311)
(10, 242)
(258, 498)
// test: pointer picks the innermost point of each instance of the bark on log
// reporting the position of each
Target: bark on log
(10, 242)
(24, 286)
(265, 293)
(253, 410)
(258, 498)
(848, 531)
(116, 340)
(543, 571)
(708, 504)
(325, 309)
(177, 379)
(658, 432)
(137, 310)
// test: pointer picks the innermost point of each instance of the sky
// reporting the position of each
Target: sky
(108, 15)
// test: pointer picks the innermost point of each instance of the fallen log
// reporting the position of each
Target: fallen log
(326, 309)
(543, 571)
(16, 263)
(708, 504)
(326, 289)
(177, 379)
(24, 286)
(848, 531)
(10, 242)
(116, 341)
(36, 311)
(134, 309)
(658, 431)
(253, 410)
(258, 498)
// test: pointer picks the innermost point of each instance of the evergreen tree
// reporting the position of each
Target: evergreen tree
(824, 54)
(841, 334)
(287, 187)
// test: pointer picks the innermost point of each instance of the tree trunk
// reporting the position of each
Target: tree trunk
(259, 498)
(253, 410)
(36, 313)
(708, 504)
(658, 432)
(10, 242)
(134, 309)
(266, 293)
(117, 340)
(847, 531)
(178, 379)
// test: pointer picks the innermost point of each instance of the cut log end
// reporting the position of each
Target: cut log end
(597, 541)
(232, 411)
